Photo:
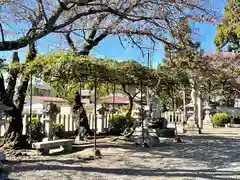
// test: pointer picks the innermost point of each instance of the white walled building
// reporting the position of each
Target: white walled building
(42, 96)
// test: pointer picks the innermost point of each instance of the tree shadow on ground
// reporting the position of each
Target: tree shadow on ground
(77, 148)
(217, 152)
(214, 151)
(144, 172)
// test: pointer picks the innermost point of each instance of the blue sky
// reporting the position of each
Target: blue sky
(111, 47)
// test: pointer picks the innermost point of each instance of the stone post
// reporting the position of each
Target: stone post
(184, 106)
(137, 117)
(199, 111)
(51, 113)
(101, 111)
(48, 129)
(99, 122)
(192, 122)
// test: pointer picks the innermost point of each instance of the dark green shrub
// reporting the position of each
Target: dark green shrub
(236, 120)
(220, 119)
(35, 129)
(118, 123)
(58, 130)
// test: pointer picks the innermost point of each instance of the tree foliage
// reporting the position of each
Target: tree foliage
(216, 75)
(66, 67)
(228, 32)
(68, 89)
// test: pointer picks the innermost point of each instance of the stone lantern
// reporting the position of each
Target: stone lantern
(101, 110)
(207, 119)
(51, 112)
(101, 118)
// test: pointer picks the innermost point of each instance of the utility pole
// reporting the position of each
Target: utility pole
(149, 103)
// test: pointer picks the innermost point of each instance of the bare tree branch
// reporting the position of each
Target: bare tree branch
(136, 44)
(2, 33)
(70, 42)
(140, 13)
(42, 12)
(120, 40)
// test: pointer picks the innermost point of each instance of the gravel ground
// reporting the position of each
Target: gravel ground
(199, 157)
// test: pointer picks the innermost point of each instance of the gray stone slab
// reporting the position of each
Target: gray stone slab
(52, 144)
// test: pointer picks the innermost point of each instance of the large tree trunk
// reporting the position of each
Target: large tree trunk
(128, 114)
(13, 136)
(79, 113)
(80, 118)
(131, 98)
(2, 88)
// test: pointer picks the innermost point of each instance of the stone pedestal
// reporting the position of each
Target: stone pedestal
(149, 139)
(191, 127)
(143, 136)
(48, 125)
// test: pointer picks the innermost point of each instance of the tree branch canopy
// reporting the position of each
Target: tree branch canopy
(157, 16)
(67, 67)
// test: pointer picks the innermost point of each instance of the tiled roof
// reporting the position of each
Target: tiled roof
(49, 99)
(118, 100)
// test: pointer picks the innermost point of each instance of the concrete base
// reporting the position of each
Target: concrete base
(193, 131)
(191, 127)
(149, 141)
(55, 138)
(210, 125)
(46, 139)
(78, 139)
(166, 140)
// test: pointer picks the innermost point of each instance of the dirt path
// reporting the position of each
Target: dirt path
(203, 158)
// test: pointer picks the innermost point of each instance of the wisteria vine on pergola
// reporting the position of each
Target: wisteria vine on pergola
(67, 67)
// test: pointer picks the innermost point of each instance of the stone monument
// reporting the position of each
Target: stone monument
(192, 122)
(51, 112)
(143, 135)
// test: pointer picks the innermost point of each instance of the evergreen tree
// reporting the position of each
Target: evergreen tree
(228, 32)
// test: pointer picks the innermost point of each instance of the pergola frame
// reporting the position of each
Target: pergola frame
(66, 67)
